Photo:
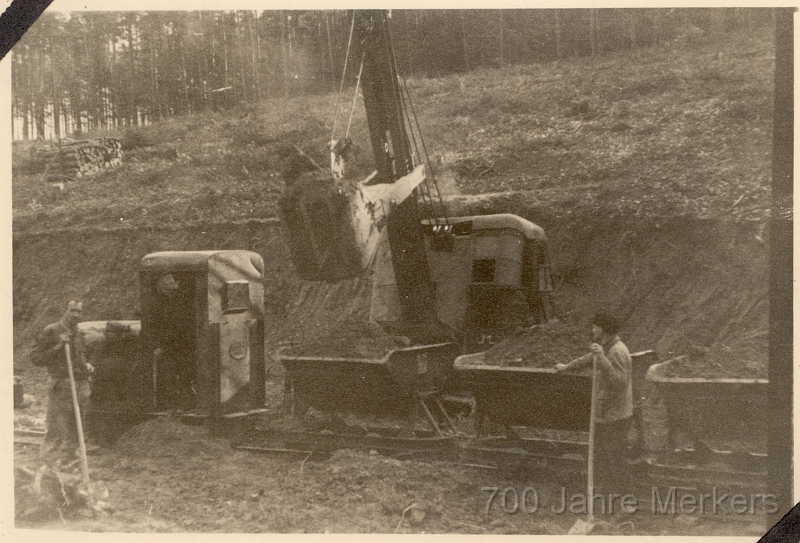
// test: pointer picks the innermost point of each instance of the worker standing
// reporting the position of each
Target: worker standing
(174, 355)
(60, 447)
(614, 400)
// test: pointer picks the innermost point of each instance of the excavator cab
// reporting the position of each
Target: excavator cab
(490, 275)
(494, 280)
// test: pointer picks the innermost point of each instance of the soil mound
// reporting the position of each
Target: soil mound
(542, 346)
(742, 359)
(163, 436)
(349, 338)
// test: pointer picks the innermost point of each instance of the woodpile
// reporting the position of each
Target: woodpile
(73, 159)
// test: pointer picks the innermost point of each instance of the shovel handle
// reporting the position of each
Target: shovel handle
(590, 459)
(78, 422)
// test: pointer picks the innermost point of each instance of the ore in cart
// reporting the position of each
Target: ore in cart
(200, 352)
(404, 383)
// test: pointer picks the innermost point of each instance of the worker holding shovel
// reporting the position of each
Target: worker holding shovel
(612, 402)
(61, 446)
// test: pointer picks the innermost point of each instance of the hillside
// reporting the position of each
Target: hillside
(681, 129)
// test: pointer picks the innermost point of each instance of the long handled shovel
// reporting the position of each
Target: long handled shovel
(97, 490)
(584, 527)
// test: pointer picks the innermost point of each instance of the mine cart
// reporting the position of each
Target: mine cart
(533, 397)
(395, 385)
(721, 422)
(542, 411)
(203, 331)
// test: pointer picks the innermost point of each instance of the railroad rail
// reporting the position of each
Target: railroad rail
(688, 469)
(702, 467)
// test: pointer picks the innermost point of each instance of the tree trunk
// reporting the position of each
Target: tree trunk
(285, 62)
(225, 53)
(132, 108)
(25, 113)
(559, 44)
(330, 50)
(242, 71)
(56, 93)
(26, 104)
(75, 105)
(103, 109)
(39, 110)
(291, 51)
(593, 37)
(464, 48)
(502, 38)
(254, 54)
(185, 77)
(205, 68)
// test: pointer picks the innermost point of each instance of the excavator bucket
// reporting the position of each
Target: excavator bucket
(333, 225)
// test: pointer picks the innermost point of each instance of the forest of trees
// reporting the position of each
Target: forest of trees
(80, 71)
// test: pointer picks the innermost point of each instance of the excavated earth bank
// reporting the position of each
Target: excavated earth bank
(679, 285)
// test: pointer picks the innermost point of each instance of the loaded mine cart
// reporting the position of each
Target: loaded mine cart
(445, 284)
(716, 426)
(532, 408)
(200, 351)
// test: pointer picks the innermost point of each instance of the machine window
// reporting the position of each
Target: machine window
(236, 296)
(483, 270)
(462, 228)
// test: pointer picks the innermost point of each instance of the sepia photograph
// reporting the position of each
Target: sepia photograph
(403, 271)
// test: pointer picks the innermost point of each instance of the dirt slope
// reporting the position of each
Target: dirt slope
(674, 283)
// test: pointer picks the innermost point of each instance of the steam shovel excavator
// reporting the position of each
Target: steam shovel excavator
(452, 285)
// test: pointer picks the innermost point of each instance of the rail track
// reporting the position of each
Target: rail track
(699, 469)
(704, 467)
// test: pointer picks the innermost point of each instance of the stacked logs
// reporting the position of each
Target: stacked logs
(72, 159)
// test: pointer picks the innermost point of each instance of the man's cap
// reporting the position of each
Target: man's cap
(167, 282)
(74, 304)
(607, 322)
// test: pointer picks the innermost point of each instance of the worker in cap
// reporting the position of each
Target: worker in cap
(613, 392)
(60, 446)
(167, 285)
